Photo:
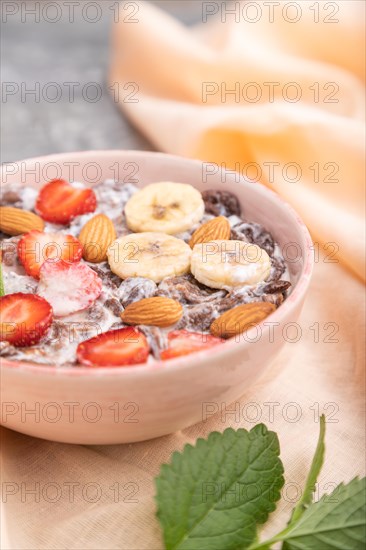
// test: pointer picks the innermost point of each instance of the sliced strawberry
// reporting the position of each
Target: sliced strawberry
(69, 287)
(115, 348)
(24, 318)
(183, 342)
(36, 247)
(60, 202)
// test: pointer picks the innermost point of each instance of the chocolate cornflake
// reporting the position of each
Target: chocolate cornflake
(236, 297)
(254, 233)
(248, 294)
(198, 317)
(157, 339)
(276, 286)
(221, 203)
(187, 290)
(96, 312)
(109, 279)
(278, 268)
(18, 196)
(58, 336)
(10, 198)
(134, 289)
(114, 306)
(9, 254)
(276, 299)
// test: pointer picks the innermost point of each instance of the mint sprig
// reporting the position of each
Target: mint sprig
(213, 496)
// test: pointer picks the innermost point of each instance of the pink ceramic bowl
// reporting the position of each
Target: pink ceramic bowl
(123, 405)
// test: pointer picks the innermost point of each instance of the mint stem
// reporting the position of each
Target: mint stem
(316, 465)
(306, 498)
(2, 290)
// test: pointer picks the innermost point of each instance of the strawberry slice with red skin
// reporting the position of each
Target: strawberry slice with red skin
(25, 318)
(60, 202)
(115, 348)
(36, 247)
(69, 287)
(183, 342)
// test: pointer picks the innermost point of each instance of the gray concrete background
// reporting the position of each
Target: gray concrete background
(42, 52)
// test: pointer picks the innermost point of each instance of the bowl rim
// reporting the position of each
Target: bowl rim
(200, 357)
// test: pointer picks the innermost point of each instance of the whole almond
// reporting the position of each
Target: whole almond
(157, 311)
(15, 221)
(96, 236)
(213, 230)
(237, 320)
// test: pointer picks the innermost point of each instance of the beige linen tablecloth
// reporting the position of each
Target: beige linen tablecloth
(306, 378)
(75, 497)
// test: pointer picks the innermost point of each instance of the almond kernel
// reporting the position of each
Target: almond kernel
(15, 221)
(213, 230)
(96, 236)
(241, 318)
(157, 311)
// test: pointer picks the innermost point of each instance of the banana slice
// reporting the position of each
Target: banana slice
(220, 264)
(151, 255)
(165, 207)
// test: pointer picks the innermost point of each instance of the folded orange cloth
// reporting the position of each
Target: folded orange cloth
(274, 90)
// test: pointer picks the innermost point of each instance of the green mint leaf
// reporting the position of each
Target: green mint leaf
(2, 289)
(316, 466)
(336, 522)
(213, 495)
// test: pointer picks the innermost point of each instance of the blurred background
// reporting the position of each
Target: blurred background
(37, 49)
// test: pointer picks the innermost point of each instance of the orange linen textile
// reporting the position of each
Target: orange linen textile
(275, 93)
